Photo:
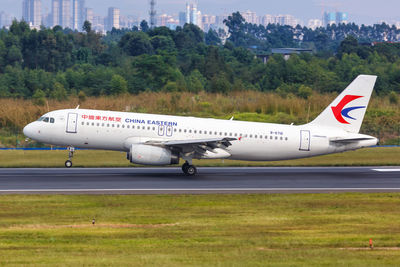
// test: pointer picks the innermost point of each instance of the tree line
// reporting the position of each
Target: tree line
(58, 63)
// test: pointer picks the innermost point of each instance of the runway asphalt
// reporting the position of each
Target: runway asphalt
(209, 180)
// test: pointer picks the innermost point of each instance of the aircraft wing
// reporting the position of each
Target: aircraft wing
(199, 148)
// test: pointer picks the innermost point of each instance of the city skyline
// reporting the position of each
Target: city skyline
(367, 11)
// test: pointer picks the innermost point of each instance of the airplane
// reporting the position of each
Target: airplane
(150, 139)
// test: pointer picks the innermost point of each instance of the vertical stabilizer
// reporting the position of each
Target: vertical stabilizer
(348, 109)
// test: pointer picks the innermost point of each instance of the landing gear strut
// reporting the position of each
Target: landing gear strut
(71, 151)
(189, 169)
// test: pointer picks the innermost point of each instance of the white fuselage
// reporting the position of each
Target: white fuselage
(109, 130)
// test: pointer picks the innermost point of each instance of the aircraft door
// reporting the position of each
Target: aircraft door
(72, 123)
(304, 140)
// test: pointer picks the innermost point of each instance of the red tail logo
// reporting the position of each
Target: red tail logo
(339, 110)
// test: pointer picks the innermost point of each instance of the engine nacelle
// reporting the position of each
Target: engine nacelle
(152, 155)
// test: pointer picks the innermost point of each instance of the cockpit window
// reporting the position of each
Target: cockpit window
(46, 119)
(51, 120)
(40, 119)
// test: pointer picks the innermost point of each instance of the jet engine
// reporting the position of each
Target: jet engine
(152, 155)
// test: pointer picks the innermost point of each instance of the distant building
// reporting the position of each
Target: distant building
(268, 19)
(65, 13)
(32, 12)
(192, 15)
(55, 13)
(78, 14)
(337, 18)
(113, 18)
(341, 17)
(250, 17)
(5, 20)
(315, 23)
(287, 20)
(89, 15)
(61, 13)
(182, 18)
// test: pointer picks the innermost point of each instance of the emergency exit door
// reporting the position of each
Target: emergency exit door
(72, 122)
(305, 140)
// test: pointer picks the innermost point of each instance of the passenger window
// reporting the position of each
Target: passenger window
(286, 138)
(92, 123)
(148, 128)
(102, 125)
(190, 131)
(98, 124)
(271, 137)
(180, 130)
(144, 128)
(276, 137)
(255, 136)
(123, 126)
(117, 125)
(200, 132)
(184, 130)
(112, 125)
(127, 126)
(266, 137)
(154, 128)
(52, 120)
(281, 138)
(87, 123)
(195, 131)
(83, 123)
(108, 125)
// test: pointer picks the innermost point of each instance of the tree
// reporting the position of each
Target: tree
(39, 98)
(14, 55)
(212, 38)
(87, 26)
(348, 46)
(144, 26)
(136, 43)
(118, 85)
(235, 24)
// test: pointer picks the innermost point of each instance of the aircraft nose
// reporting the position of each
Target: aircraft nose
(28, 130)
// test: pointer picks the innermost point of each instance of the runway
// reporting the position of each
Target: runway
(209, 180)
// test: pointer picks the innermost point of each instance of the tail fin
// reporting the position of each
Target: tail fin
(348, 109)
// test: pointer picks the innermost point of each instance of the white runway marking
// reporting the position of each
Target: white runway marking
(386, 170)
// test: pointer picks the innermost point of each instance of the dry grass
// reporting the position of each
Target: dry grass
(382, 117)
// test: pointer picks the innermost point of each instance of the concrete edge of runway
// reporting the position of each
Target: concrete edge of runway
(197, 191)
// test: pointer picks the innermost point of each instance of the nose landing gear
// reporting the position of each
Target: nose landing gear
(71, 151)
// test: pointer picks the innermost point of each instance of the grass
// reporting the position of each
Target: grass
(201, 230)
(380, 156)
(381, 120)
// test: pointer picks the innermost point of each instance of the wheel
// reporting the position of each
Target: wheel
(191, 170)
(184, 166)
(68, 164)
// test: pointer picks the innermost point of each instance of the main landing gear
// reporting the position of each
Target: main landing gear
(71, 151)
(189, 169)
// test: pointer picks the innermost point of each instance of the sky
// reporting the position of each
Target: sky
(360, 11)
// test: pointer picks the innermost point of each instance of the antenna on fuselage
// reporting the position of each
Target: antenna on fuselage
(77, 107)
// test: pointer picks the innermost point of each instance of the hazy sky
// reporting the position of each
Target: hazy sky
(360, 11)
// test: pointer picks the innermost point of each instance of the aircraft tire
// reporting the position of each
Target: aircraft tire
(191, 170)
(68, 164)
